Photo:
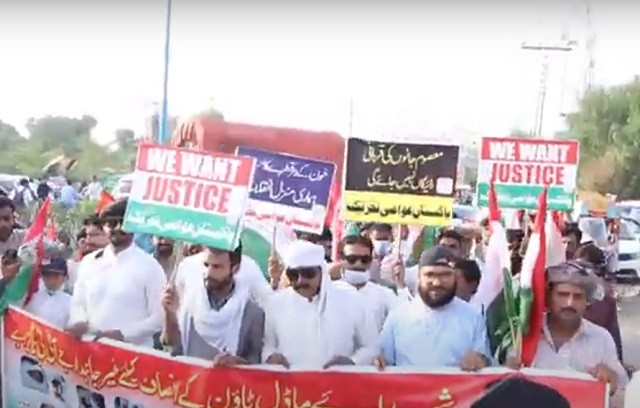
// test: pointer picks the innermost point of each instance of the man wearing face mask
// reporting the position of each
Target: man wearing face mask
(313, 323)
(382, 238)
(357, 255)
(437, 328)
(218, 321)
(119, 288)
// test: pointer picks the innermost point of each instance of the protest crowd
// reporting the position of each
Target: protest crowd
(379, 273)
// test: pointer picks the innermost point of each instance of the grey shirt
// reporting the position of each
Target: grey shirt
(250, 339)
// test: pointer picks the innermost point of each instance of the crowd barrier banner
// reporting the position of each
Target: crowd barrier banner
(44, 367)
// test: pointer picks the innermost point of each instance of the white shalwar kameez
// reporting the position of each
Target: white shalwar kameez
(378, 300)
(310, 333)
(120, 292)
(50, 306)
(191, 270)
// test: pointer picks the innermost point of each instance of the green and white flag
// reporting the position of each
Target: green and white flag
(258, 239)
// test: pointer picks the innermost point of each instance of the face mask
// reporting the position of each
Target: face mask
(356, 277)
(381, 248)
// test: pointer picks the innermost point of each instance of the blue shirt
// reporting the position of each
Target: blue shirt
(416, 336)
(69, 196)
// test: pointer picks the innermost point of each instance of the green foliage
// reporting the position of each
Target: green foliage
(52, 136)
(607, 125)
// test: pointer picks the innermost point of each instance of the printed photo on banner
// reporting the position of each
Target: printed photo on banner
(100, 375)
(399, 183)
(521, 168)
(295, 190)
(189, 195)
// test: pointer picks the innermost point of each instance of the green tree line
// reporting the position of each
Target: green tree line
(52, 136)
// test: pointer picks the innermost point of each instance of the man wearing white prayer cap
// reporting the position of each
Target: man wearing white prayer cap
(313, 323)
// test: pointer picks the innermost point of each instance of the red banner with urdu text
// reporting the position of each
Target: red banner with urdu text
(44, 367)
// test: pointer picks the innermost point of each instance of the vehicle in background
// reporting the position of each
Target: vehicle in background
(9, 181)
(123, 187)
(628, 254)
(630, 209)
(634, 226)
(467, 214)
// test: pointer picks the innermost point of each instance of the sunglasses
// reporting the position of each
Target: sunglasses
(353, 259)
(293, 274)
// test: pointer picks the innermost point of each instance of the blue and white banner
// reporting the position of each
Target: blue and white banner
(290, 189)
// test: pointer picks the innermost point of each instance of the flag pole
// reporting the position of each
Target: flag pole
(163, 117)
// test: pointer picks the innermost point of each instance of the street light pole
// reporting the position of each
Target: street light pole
(544, 76)
(164, 120)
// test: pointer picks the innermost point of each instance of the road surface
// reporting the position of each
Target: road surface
(629, 318)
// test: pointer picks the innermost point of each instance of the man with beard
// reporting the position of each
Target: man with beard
(118, 291)
(163, 252)
(218, 322)
(568, 341)
(313, 323)
(437, 328)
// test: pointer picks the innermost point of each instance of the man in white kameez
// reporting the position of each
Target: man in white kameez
(119, 288)
(313, 323)
(189, 274)
(357, 256)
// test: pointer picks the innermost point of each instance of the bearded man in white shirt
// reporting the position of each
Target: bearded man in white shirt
(313, 323)
(219, 322)
(357, 256)
(189, 274)
(119, 288)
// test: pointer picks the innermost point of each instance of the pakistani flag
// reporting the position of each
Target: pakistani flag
(258, 239)
(495, 294)
(20, 290)
(533, 285)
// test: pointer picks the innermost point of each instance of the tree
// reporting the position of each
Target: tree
(607, 125)
(59, 132)
(53, 136)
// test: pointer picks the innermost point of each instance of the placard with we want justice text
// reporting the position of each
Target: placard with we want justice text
(521, 168)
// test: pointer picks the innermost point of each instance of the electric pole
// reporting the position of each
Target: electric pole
(544, 76)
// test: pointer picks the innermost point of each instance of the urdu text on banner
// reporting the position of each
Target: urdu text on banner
(521, 168)
(399, 183)
(295, 190)
(189, 195)
(46, 368)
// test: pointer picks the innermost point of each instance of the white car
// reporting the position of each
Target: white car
(628, 254)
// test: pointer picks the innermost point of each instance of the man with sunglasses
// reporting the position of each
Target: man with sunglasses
(118, 291)
(568, 341)
(218, 321)
(357, 256)
(313, 323)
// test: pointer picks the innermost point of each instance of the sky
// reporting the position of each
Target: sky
(437, 70)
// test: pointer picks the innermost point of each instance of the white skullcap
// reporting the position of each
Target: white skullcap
(300, 254)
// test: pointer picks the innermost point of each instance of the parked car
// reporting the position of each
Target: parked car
(628, 254)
